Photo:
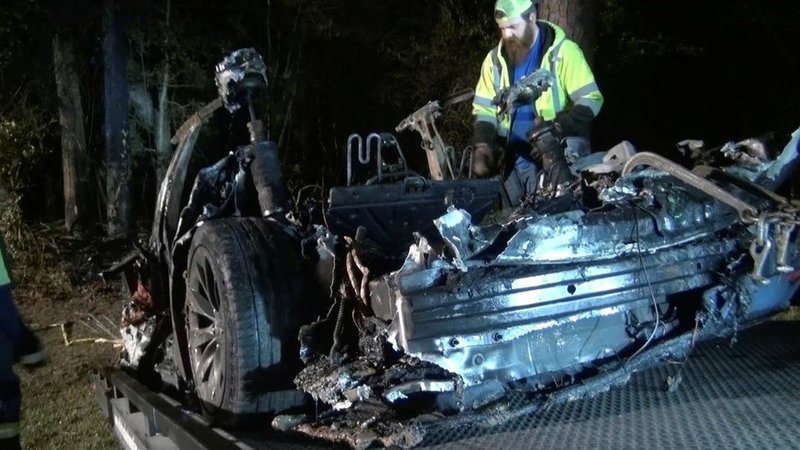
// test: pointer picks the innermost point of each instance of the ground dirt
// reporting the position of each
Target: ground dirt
(56, 285)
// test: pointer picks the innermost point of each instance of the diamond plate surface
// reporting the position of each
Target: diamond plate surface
(731, 396)
(740, 396)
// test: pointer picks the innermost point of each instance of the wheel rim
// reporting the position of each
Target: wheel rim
(205, 329)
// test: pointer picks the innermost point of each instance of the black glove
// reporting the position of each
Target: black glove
(545, 138)
(546, 149)
(575, 121)
(483, 161)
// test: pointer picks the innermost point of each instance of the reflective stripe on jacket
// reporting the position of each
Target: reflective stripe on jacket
(575, 84)
(5, 277)
(9, 430)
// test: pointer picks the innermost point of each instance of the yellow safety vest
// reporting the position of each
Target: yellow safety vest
(8, 430)
(5, 276)
(575, 82)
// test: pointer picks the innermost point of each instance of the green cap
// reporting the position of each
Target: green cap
(505, 10)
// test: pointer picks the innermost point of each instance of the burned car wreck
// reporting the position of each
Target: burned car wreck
(419, 300)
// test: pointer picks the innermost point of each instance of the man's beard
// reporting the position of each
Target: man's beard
(518, 48)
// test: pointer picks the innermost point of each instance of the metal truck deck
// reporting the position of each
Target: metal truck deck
(743, 395)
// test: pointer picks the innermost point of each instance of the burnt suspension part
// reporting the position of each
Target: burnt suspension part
(240, 77)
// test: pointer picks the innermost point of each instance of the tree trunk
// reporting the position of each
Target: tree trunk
(577, 18)
(163, 144)
(117, 155)
(73, 140)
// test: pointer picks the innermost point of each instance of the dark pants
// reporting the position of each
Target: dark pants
(11, 325)
(9, 397)
(10, 336)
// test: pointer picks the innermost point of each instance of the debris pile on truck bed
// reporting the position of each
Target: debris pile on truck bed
(435, 312)
(484, 323)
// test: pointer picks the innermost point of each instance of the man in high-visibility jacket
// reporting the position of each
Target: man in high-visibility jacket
(535, 133)
(17, 344)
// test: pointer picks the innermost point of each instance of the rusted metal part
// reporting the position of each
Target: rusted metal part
(423, 121)
(196, 120)
(709, 172)
(784, 232)
(358, 278)
(364, 284)
(774, 230)
(355, 282)
(170, 194)
(747, 212)
(441, 157)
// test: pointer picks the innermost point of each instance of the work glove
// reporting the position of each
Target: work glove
(546, 149)
(483, 162)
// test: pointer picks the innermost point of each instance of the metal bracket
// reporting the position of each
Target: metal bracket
(439, 156)
(747, 212)
(774, 228)
(377, 143)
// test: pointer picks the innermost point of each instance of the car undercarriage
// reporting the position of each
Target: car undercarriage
(420, 298)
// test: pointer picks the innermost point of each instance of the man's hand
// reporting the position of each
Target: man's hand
(546, 148)
(482, 160)
(545, 139)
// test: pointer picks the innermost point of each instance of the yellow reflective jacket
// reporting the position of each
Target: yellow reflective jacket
(5, 276)
(575, 84)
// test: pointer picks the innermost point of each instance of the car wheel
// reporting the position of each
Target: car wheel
(243, 311)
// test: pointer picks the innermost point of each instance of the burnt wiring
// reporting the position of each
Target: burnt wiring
(674, 380)
(353, 287)
(353, 292)
(364, 278)
(338, 329)
(339, 301)
(302, 190)
(649, 286)
(358, 276)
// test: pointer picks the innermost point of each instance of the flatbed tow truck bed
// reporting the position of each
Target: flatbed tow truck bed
(731, 396)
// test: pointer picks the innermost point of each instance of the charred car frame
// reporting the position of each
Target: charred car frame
(419, 294)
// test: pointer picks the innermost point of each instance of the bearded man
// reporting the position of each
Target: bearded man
(543, 134)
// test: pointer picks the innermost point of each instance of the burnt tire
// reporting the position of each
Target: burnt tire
(244, 308)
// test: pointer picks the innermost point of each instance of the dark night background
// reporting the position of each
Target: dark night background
(715, 70)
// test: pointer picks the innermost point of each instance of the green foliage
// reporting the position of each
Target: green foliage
(23, 151)
(23, 132)
(341, 66)
(334, 67)
(16, 233)
(20, 32)
(471, 25)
